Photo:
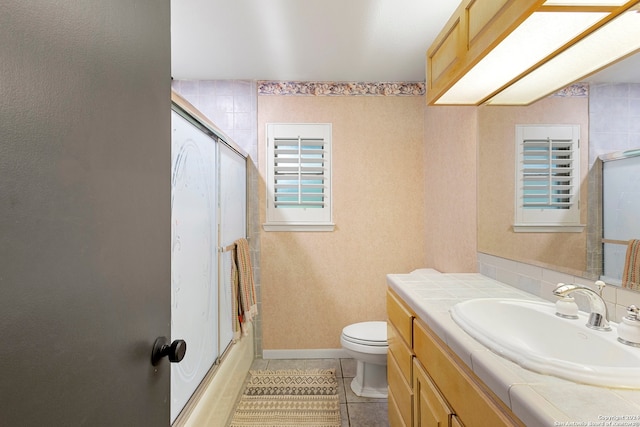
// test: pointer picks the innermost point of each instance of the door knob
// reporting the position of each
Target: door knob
(175, 351)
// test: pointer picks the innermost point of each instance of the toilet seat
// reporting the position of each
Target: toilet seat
(365, 343)
(364, 348)
(372, 334)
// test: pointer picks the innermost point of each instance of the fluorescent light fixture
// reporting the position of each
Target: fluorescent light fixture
(557, 43)
(527, 45)
(615, 40)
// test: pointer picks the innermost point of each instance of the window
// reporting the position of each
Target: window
(548, 178)
(299, 177)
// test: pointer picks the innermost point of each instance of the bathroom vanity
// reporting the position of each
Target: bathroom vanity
(440, 376)
(428, 384)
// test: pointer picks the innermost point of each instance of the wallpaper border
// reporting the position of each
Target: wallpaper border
(577, 90)
(289, 88)
(341, 88)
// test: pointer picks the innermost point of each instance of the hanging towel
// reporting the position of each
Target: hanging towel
(631, 273)
(244, 301)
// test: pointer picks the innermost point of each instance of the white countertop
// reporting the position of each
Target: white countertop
(537, 399)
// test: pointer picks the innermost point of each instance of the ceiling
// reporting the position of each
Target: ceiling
(316, 40)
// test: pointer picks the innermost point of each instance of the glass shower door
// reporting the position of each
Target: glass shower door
(194, 261)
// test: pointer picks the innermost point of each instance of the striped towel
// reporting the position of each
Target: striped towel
(244, 298)
(631, 273)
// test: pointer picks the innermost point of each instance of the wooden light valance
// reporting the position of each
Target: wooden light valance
(478, 27)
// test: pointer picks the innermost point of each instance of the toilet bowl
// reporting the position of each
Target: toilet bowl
(367, 343)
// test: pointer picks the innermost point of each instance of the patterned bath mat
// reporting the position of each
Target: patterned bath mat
(289, 398)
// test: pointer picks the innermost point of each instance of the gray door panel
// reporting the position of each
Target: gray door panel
(84, 212)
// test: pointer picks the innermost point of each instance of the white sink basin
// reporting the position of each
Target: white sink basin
(531, 335)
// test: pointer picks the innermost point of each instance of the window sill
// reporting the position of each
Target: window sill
(299, 227)
(547, 228)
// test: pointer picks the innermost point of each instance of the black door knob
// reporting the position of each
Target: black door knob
(175, 351)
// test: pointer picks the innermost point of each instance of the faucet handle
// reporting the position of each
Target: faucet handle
(600, 285)
(632, 313)
(558, 289)
(629, 327)
(566, 306)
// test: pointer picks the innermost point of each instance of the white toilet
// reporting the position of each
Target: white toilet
(367, 343)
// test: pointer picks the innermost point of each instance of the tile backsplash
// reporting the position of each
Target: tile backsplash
(542, 281)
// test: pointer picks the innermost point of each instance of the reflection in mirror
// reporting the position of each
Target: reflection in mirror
(562, 251)
(614, 114)
(607, 108)
(620, 212)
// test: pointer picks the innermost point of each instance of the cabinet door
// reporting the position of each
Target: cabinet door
(401, 389)
(400, 317)
(430, 408)
(455, 422)
(395, 414)
(400, 352)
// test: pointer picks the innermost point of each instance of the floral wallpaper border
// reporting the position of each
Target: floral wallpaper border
(281, 88)
(575, 90)
(341, 88)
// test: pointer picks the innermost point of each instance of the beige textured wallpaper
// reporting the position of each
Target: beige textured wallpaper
(450, 175)
(322, 281)
(496, 170)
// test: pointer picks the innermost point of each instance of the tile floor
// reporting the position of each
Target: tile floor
(356, 411)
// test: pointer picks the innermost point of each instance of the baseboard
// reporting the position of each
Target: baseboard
(326, 353)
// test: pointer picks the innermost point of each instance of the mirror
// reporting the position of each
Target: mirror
(608, 118)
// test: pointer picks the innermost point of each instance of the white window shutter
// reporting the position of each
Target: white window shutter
(299, 172)
(548, 178)
(298, 177)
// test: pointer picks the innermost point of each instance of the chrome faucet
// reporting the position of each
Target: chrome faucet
(599, 317)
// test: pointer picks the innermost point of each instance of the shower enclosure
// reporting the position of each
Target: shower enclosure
(208, 213)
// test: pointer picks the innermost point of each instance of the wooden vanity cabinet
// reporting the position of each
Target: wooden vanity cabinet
(400, 362)
(429, 386)
(473, 403)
